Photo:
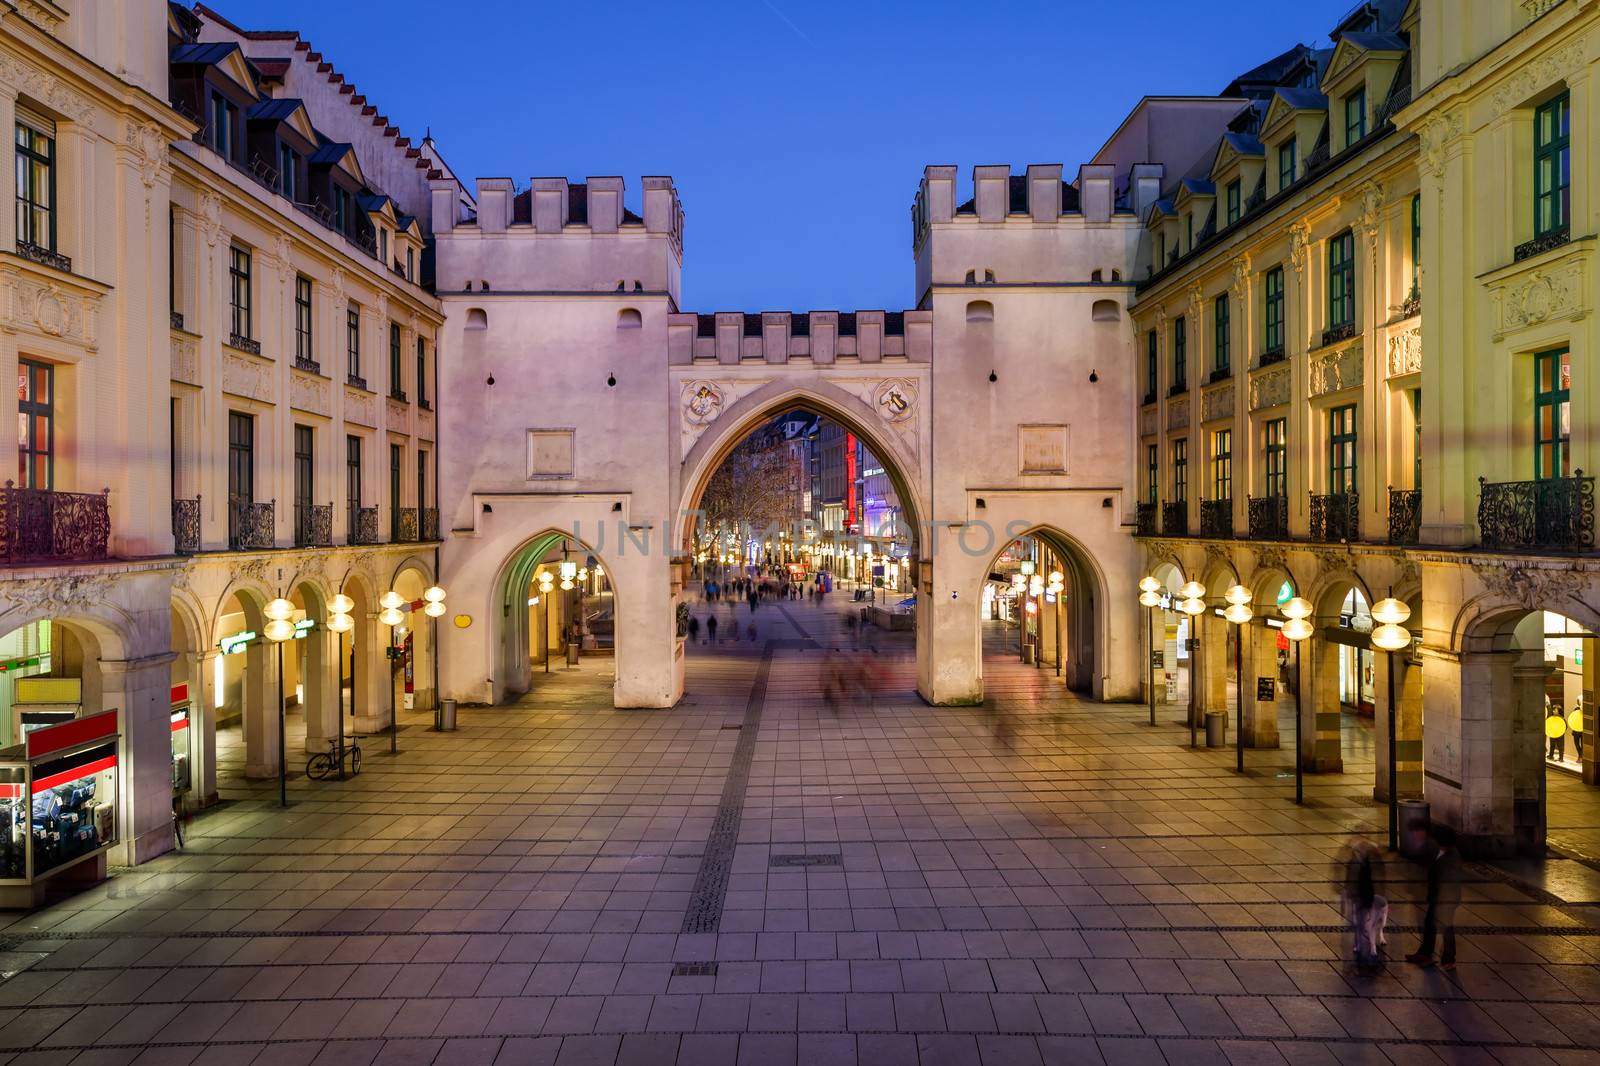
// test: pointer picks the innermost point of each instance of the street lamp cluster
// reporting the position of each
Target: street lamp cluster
(394, 609)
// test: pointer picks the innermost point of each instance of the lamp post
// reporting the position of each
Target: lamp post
(1391, 636)
(433, 607)
(340, 623)
(1193, 604)
(1239, 613)
(1150, 599)
(278, 629)
(1035, 598)
(547, 582)
(1297, 629)
(1057, 585)
(391, 616)
(569, 573)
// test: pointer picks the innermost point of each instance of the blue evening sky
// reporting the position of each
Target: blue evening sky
(796, 130)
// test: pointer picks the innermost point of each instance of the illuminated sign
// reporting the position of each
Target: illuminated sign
(236, 643)
(1285, 593)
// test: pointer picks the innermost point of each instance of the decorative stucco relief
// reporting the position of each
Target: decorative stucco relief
(1540, 295)
(1531, 585)
(46, 309)
(1269, 388)
(1147, 422)
(702, 402)
(45, 88)
(149, 149)
(1534, 77)
(399, 413)
(1436, 136)
(1532, 9)
(1240, 286)
(1217, 403)
(1178, 414)
(893, 399)
(247, 377)
(1405, 352)
(308, 392)
(360, 407)
(185, 360)
(1333, 371)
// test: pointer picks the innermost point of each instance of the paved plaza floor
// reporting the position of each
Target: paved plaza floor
(753, 878)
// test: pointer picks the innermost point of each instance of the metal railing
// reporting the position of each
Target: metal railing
(39, 524)
(366, 526)
(244, 344)
(1216, 518)
(313, 525)
(406, 525)
(1554, 239)
(1175, 519)
(1336, 517)
(307, 364)
(430, 523)
(177, 319)
(186, 526)
(1275, 354)
(251, 525)
(357, 380)
(1269, 517)
(1342, 332)
(44, 256)
(1405, 516)
(1556, 513)
(1145, 520)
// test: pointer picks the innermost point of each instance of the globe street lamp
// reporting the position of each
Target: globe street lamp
(1193, 604)
(391, 616)
(278, 629)
(1150, 599)
(1239, 613)
(340, 623)
(1297, 629)
(1391, 636)
(433, 607)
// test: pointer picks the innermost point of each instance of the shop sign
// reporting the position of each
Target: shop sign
(1266, 689)
(237, 642)
(1285, 593)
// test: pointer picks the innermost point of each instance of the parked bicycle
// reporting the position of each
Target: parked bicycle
(325, 763)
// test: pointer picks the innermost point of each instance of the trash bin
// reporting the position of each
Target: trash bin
(1414, 825)
(1027, 654)
(447, 716)
(572, 653)
(1216, 729)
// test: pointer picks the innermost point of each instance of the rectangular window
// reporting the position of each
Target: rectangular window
(411, 264)
(383, 247)
(422, 485)
(1222, 464)
(172, 259)
(36, 424)
(241, 470)
(224, 115)
(303, 476)
(422, 372)
(1152, 473)
(1152, 348)
(1180, 356)
(1233, 202)
(1180, 471)
(1416, 243)
(302, 319)
(1272, 287)
(239, 289)
(1552, 166)
(352, 341)
(1288, 162)
(352, 483)
(1189, 232)
(1342, 450)
(394, 362)
(36, 181)
(1416, 438)
(1552, 414)
(341, 208)
(1355, 117)
(288, 164)
(1275, 452)
(395, 454)
(1221, 343)
(1342, 280)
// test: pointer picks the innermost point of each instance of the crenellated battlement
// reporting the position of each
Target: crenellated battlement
(821, 337)
(587, 239)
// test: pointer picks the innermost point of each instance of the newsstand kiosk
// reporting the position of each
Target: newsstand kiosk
(58, 807)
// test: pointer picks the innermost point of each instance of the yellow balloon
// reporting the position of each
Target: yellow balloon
(1554, 727)
(1575, 720)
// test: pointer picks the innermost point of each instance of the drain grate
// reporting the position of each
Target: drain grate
(733, 725)
(694, 969)
(805, 860)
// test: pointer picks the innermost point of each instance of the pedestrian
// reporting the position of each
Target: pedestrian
(1365, 910)
(711, 630)
(694, 629)
(751, 632)
(1553, 710)
(1444, 893)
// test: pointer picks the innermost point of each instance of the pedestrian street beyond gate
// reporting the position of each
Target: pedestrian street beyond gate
(753, 878)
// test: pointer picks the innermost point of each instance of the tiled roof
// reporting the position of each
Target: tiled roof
(1244, 144)
(1376, 42)
(1307, 99)
(202, 55)
(273, 109)
(270, 66)
(330, 152)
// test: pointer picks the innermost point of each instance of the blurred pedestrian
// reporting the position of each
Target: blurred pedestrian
(751, 632)
(711, 629)
(694, 629)
(1365, 910)
(1444, 893)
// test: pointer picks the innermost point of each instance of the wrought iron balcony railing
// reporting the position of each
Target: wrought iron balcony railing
(313, 525)
(1405, 516)
(397, 394)
(1146, 520)
(1178, 388)
(1175, 519)
(244, 344)
(41, 525)
(1342, 332)
(186, 526)
(1220, 373)
(251, 525)
(1555, 513)
(366, 526)
(1543, 243)
(1272, 355)
(357, 380)
(177, 319)
(406, 525)
(305, 363)
(1269, 518)
(430, 523)
(1216, 518)
(1336, 517)
(44, 256)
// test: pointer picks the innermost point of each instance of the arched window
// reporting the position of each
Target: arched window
(477, 318)
(629, 318)
(980, 311)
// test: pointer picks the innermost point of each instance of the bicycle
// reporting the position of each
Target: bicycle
(324, 763)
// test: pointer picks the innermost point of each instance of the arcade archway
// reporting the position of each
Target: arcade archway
(556, 604)
(1038, 607)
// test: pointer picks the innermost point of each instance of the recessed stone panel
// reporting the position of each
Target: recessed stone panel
(550, 453)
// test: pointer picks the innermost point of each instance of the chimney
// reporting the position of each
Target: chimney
(1044, 191)
(1095, 193)
(549, 204)
(494, 204)
(605, 204)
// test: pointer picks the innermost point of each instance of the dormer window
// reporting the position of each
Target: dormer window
(288, 169)
(1287, 163)
(1233, 201)
(341, 208)
(220, 134)
(383, 245)
(1355, 116)
(411, 264)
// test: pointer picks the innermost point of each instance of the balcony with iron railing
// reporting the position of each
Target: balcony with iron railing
(308, 364)
(1175, 519)
(36, 253)
(1552, 513)
(1541, 244)
(244, 344)
(1405, 516)
(1145, 520)
(1269, 517)
(1274, 354)
(1342, 332)
(313, 525)
(1336, 517)
(430, 523)
(41, 525)
(1216, 518)
(365, 529)
(406, 525)
(186, 526)
(251, 525)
